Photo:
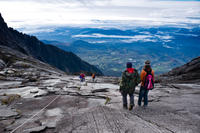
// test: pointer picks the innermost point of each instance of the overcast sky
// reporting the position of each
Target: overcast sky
(24, 13)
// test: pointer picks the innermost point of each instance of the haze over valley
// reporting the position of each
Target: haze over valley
(109, 48)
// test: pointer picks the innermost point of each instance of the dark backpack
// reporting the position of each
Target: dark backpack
(149, 81)
(129, 80)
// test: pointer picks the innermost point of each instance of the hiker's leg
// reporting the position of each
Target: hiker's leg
(141, 94)
(124, 98)
(131, 99)
(146, 97)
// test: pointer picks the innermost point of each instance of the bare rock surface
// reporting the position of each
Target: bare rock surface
(74, 107)
(35, 130)
(39, 98)
(6, 112)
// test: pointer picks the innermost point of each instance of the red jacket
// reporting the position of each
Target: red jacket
(82, 75)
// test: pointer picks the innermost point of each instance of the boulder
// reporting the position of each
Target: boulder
(10, 71)
(6, 112)
(34, 91)
(21, 64)
(35, 129)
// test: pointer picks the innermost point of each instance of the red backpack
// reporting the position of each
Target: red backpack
(149, 81)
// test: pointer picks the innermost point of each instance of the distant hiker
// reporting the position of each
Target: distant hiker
(130, 79)
(93, 77)
(82, 77)
(147, 83)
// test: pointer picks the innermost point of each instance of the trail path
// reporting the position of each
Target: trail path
(80, 108)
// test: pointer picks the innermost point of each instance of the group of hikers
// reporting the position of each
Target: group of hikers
(82, 77)
(131, 78)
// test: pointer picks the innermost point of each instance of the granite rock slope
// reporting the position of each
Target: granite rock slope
(188, 73)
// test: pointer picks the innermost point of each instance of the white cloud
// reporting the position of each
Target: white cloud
(139, 39)
(96, 35)
(97, 41)
(166, 37)
(128, 39)
(26, 13)
(166, 46)
(32, 29)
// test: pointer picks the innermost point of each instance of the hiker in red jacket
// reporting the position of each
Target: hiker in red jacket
(82, 77)
(130, 79)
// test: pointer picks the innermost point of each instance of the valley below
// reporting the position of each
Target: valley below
(110, 49)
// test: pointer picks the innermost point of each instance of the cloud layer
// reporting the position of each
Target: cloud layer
(24, 13)
(128, 39)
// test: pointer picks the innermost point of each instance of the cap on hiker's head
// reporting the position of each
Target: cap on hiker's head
(129, 65)
(147, 62)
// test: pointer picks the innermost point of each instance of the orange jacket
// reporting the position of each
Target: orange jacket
(143, 75)
(93, 75)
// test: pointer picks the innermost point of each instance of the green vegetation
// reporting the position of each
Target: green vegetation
(8, 99)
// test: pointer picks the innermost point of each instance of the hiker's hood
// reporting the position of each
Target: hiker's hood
(129, 71)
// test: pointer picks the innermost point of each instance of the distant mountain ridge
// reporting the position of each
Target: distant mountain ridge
(30, 45)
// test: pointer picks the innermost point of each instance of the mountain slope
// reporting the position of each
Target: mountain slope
(30, 45)
(60, 103)
(189, 72)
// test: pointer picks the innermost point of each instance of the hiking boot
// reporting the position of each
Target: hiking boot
(125, 106)
(130, 107)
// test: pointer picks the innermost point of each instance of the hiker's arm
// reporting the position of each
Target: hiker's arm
(123, 78)
(121, 82)
(137, 78)
(142, 76)
(153, 76)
